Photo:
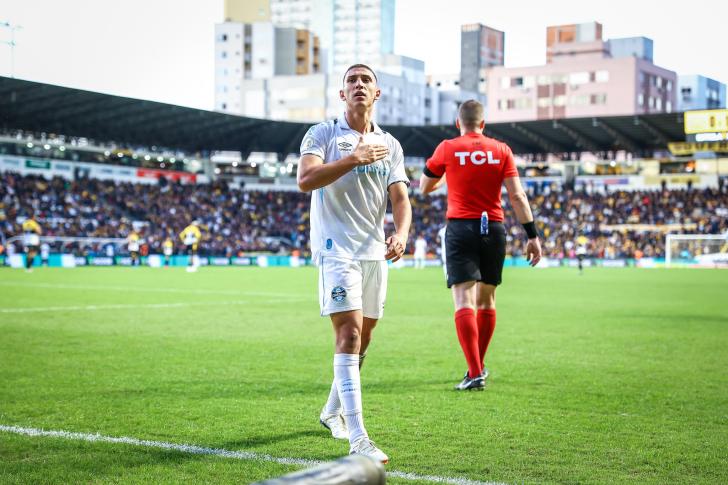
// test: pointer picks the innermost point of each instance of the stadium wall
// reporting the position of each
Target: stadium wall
(49, 168)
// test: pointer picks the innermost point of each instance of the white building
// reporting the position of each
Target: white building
(258, 50)
(351, 31)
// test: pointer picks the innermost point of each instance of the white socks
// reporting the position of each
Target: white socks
(333, 404)
(348, 383)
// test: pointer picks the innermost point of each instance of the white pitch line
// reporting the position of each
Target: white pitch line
(116, 307)
(201, 450)
(146, 289)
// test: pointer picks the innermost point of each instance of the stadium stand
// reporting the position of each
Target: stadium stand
(619, 224)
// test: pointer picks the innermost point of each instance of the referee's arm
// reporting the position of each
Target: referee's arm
(519, 201)
(429, 182)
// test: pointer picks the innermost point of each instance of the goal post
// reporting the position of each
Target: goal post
(696, 250)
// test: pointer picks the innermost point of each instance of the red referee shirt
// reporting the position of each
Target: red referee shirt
(476, 166)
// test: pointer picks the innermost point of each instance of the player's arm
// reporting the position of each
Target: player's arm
(313, 173)
(402, 215)
(519, 202)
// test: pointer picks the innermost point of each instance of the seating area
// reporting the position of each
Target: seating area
(236, 222)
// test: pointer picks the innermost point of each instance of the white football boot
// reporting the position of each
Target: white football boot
(336, 424)
(365, 446)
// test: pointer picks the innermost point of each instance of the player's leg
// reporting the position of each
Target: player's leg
(486, 320)
(374, 307)
(341, 286)
(491, 269)
(374, 295)
(464, 298)
(348, 327)
(463, 271)
(339, 290)
(29, 257)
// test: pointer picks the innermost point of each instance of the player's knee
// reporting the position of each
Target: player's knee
(348, 340)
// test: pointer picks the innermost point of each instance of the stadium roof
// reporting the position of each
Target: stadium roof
(48, 108)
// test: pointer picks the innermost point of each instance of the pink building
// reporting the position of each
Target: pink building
(582, 80)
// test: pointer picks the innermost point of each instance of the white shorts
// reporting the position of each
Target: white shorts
(133, 248)
(32, 240)
(348, 284)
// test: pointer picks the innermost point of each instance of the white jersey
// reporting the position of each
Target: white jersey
(420, 248)
(347, 216)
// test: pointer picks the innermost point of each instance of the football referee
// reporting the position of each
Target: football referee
(475, 240)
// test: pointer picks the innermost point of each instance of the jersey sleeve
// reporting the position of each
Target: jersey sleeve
(397, 172)
(315, 141)
(509, 165)
(436, 163)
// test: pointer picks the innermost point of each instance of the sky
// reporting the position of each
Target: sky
(163, 50)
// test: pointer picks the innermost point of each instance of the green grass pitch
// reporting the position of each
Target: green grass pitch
(619, 375)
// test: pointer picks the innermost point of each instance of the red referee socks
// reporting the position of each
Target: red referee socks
(486, 326)
(467, 329)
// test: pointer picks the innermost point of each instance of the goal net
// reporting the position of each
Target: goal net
(696, 250)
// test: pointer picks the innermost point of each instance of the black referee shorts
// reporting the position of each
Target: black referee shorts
(472, 257)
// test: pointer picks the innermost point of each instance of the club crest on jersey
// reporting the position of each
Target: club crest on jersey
(338, 294)
(308, 142)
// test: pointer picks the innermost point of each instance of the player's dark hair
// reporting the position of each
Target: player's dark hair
(471, 114)
(362, 66)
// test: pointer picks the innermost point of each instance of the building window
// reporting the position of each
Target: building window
(544, 102)
(224, 106)
(577, 78)
(640, 99)
(658, 104)
(668, 106)
(668, 85)
(598, 99)
(224, 37)
(223, 54)
(601, 76)
(505, 82)
(559, 100)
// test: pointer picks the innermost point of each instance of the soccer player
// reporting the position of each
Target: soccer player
(31, 241)
(167, 249)
(581, 251)
(45, 251)
(351, 166)
(475, 238)
(190, 237)
(420, 252)
(132, 242)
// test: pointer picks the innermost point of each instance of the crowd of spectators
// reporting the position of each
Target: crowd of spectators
(235, 222)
